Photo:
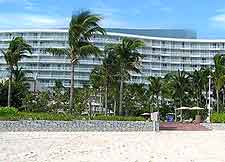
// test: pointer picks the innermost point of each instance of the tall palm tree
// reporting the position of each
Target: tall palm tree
(179, 83)
(18, 48)
(219, 75)
(82, 28)
(127, 59)
(155, 88)
(198, 78)
(99, 80)
(103, 76)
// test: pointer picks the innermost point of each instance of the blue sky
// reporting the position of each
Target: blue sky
(207, 17)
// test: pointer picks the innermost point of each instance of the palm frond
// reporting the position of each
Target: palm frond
(90, 50)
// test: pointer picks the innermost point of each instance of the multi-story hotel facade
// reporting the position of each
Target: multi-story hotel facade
(165, 51)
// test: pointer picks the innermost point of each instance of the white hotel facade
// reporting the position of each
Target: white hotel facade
(164, 51)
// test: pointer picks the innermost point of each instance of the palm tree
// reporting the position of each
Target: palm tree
(155, 87)
(219, 75)
(99, 80)
(82, 28)
(179, 83)
(16, 51)
(198, 79)
(127, 59)
(20, 77)
(103, 76)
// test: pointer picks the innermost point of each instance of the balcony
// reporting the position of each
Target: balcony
(66, 77)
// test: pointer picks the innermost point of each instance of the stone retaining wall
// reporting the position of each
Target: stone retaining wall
(214, 126)
(78, 125)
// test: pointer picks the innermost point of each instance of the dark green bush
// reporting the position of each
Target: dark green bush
(118, 118)
(43, 116)
(12, 114)
(8, 111)
(18, 92)
(218, 118)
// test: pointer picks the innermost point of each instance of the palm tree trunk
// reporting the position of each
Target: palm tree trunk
(90, 110)
(206, 94)
(198, 99)
(223, 98)
(149, 104)
(121, 96)
(102, 109)
(106, 99)
(9, 89)
(114, 106)
(71, 88)
(217, 100)
(180, 102)
(157, 103)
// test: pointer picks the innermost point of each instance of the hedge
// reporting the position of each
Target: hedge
(218, 118)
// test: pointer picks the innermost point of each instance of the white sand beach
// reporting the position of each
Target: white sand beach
(164, 146)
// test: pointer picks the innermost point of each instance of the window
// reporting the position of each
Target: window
(203, 60)
(164, 50)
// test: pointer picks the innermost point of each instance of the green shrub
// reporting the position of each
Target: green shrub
(8, 111)
(118, 118)
(46, 116)
(218, 118)
(40, 116)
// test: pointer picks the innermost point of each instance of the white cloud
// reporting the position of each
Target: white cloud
(218, 20)
(33, 21)
(28, 4)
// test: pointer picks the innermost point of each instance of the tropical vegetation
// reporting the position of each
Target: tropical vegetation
(18, 48)
(82, 27)
(111, 85)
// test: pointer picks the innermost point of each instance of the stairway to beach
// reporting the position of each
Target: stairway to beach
(182, 127)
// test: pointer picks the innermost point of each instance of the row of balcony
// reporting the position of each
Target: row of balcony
(179, 53)
(110, 40)
(30, 68)
(76, 85)
(66, 77)
(36, 38)
(60, 61)
(175, 61)
(198, 47)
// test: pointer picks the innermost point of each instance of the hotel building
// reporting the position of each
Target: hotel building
(165, 51)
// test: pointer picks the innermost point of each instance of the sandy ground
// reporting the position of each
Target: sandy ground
(165, 146)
